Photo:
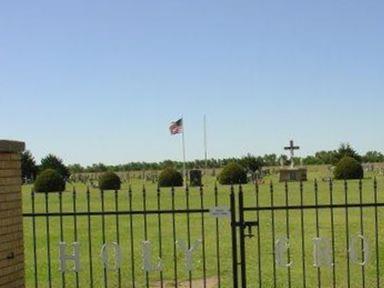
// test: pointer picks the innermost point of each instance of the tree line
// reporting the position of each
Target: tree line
(250, 162)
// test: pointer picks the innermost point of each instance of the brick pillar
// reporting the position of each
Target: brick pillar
(11, 218)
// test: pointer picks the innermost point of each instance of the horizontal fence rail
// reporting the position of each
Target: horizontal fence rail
(304, 207)
(109, 213)
(309, 234)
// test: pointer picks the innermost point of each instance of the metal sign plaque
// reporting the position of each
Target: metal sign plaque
(220, 212)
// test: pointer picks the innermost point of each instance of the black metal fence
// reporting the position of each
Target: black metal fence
(284, 235)
(167, 218)
(331, 241)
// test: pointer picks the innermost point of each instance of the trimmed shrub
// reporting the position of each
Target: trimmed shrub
(348, 168)
(49, 181)
(233, 173)
(109, 181)
(170, 177)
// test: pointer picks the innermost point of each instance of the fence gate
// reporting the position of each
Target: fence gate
(307, 237)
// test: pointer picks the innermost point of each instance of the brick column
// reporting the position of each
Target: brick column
(11, 218)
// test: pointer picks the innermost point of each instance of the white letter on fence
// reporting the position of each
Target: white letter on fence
(322, 254)
(147, 258)
(188, 253)
(281, 247)
(355, 241)
(105, 256)
(75, 257)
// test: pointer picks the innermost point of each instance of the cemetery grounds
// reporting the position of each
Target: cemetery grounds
(224, 235)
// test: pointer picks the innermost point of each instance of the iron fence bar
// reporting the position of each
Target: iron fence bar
(203, 238)
(317, 228)
(332, 234)
(302, 221)
(188, 229)
(258, 235)
(347, 233)
(306, 207)
(234, 238)
(103, 236)
(160, 234)
(61, 232)
(287, 234)
(34, 240)
(89, 238)
(122, 212)
(243, 261)
(273, 234)
(117, 222)
(144, 195)
(217, 240)
(362, 232)
(377, 234)
(131, 238)
(48, 241)
(74, 202)
(174, 237)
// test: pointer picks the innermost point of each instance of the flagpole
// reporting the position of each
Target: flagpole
(205, 144)
(183, 144)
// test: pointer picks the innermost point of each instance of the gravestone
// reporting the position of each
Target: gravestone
(11, 217)
(292, 173)
(195, 176)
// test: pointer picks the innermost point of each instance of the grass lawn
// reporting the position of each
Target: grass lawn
(224, 235)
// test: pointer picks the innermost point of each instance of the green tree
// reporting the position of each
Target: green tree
(53, 162)
(99, 167)
(28, 165)
(251, 163)
(326, 157)
(312, 160)
(346, 150)
(373, 157)
(270, 160)
(168, 164)
(75, 168)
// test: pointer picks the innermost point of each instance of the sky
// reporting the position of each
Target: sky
(100, 81)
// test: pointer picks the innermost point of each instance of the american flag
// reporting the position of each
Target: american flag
(176, 127)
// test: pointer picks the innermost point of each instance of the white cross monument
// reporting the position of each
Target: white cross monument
(292, 149)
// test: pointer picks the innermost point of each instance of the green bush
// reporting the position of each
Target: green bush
(233, 173)
(170, 177)
(348, 168)
(49, 181)
(109, 181)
